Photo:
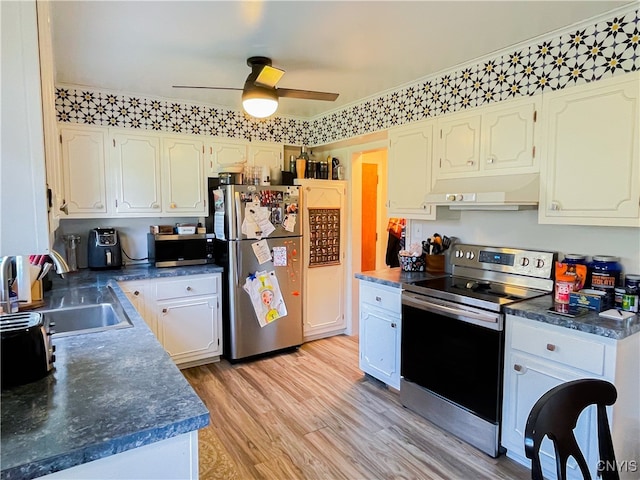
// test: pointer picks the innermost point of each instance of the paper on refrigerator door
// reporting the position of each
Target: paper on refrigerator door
(256, 222)
(264, 290)
(261, 251)
(289, 223)
(279, 256)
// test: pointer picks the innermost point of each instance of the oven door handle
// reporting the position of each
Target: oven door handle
(471, 316)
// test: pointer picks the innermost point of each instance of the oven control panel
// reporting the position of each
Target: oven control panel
(510, 260)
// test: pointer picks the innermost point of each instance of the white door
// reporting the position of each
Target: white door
(409, 171)
(184, 189)
(136, 166)
(84, 170)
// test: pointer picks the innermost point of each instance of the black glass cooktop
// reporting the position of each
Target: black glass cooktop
(472, 291)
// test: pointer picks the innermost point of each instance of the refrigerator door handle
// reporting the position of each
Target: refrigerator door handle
(238, 216)
(238, 262)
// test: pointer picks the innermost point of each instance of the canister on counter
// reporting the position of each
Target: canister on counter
(631, 293)
(619, 293)
(565, 284)
(576, 264)
(605, 273)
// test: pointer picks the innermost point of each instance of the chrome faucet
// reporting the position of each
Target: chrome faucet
(5, 276)
(61, 265)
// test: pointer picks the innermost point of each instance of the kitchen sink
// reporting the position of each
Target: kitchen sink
(76, 320)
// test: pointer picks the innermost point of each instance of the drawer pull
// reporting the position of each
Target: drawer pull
(164, 310)
(189, 289)
(517, 367)
(393, 325)
(551, 347)
(378, 299)
(136, 293)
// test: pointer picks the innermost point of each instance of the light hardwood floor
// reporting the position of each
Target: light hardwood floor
(313, 414)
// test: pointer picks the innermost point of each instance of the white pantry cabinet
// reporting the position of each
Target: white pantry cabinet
(23, 209)
(409, 171)
(590, 171)
(324, 291)
(493, 140)
(540, 356)
(380, 331)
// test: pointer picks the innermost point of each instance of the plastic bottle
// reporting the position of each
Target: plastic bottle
(563, 288)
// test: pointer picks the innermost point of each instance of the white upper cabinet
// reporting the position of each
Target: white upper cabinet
(590, 172)
(184, 182)
(23, 209)
(266, 154)
(458, 145)
(494, 140)
(135, 161)
(84, 170)
(224, 154)
(409, 169)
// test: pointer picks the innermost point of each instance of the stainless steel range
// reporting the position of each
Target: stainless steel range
(453, 337)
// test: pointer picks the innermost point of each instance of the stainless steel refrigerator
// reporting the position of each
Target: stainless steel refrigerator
(258, 242)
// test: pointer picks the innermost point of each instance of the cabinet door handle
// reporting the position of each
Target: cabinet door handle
(470, 163)
(189, 289)
(172, 205)
(554, 206)
(378, 299)
(491, 159)
(64, 207)
(136, 293)
(518, 368)
(551, 347)
(393, 325)
(155, 205)
(164, 310)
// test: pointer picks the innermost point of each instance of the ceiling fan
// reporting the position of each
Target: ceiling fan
(260, 94)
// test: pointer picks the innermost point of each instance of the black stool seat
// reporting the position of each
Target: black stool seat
(555, 415)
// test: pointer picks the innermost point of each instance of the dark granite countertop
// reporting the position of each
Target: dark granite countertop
(110, 391)
(537, 309)
(395, 277)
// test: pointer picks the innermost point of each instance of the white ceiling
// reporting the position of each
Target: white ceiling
(356, 49)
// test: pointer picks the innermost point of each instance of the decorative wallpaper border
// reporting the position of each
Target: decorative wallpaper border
(590, 53)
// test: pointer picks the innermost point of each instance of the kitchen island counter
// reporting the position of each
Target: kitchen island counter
(538, 309)
(110, 391)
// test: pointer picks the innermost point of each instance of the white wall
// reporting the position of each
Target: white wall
(132, 232)
(520, 229)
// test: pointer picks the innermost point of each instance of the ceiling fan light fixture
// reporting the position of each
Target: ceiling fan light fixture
(259, 102)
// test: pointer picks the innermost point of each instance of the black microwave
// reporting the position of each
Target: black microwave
(178, 250)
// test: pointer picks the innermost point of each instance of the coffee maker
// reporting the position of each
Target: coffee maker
(104, 249)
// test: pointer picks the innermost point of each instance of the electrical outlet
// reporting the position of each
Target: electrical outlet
(416, 232)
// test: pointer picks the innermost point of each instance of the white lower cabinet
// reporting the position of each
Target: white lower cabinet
(538, 357)
(185, 313)
(380, 332)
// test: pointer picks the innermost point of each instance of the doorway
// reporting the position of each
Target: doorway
(369, 230)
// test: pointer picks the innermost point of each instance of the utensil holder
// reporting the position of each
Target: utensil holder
(435, 263)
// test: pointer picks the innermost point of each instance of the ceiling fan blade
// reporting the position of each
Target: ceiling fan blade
(269, 76)
(306, 94)
(206, 88)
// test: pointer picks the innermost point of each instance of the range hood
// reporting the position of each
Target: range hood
(497, 192)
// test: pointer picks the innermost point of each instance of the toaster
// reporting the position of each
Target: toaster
(104, 249)
(27, 351)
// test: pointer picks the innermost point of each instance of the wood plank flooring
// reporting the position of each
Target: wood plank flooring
(312, 414)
